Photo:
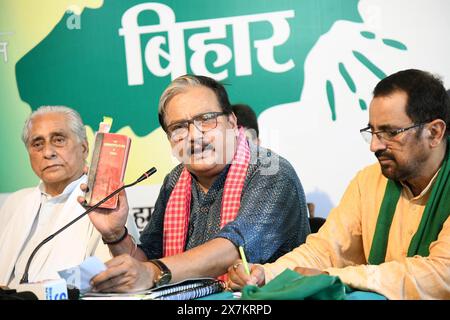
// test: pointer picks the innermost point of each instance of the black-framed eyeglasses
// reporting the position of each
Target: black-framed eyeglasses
(385, 135)
(204, 122)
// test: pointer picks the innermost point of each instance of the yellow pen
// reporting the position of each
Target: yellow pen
(244, 260)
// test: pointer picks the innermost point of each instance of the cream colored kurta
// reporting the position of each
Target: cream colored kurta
(342, 245)
(31, 207)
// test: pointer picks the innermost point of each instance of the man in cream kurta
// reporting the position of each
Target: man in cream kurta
(408, 127)
(342, 245)
(55, 139)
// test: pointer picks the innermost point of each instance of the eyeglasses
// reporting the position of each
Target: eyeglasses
(385, 135)
(203, 122)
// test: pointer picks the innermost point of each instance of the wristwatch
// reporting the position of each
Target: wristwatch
(164, 276)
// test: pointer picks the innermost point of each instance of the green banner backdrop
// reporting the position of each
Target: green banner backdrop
(307, 67)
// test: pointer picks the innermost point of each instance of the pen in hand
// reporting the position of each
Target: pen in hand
(244, 260)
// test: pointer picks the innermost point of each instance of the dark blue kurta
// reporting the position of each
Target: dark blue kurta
(272, 219)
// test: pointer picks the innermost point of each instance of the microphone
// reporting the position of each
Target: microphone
(144, 176)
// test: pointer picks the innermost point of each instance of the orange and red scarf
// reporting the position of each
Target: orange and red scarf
(176, 218)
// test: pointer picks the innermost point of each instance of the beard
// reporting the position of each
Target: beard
(395, 170)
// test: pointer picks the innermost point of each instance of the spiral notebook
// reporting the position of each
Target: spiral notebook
(184, 290)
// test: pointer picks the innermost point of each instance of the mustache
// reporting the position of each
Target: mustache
(383, 154)
(198, 148)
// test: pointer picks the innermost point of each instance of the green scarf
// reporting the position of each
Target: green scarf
(290, 285)
(435, 214)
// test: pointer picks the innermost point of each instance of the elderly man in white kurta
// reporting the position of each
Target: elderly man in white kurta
(55, 138)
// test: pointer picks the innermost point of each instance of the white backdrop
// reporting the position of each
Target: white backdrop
(327, 154)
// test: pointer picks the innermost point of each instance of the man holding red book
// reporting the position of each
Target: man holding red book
(226, 193)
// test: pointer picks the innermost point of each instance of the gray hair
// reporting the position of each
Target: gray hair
(74, 121)
(180, 84)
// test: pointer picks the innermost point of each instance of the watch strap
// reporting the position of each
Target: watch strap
(165, 275)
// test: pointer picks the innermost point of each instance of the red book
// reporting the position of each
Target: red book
(107, 170)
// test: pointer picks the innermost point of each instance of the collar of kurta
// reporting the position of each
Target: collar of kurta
(434, 216)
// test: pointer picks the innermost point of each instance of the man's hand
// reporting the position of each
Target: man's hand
(125, 274)
(237, 278)
(109, 222)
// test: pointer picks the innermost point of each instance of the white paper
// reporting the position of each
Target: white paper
(81, 275)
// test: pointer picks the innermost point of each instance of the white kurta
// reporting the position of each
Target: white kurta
(67, 249)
